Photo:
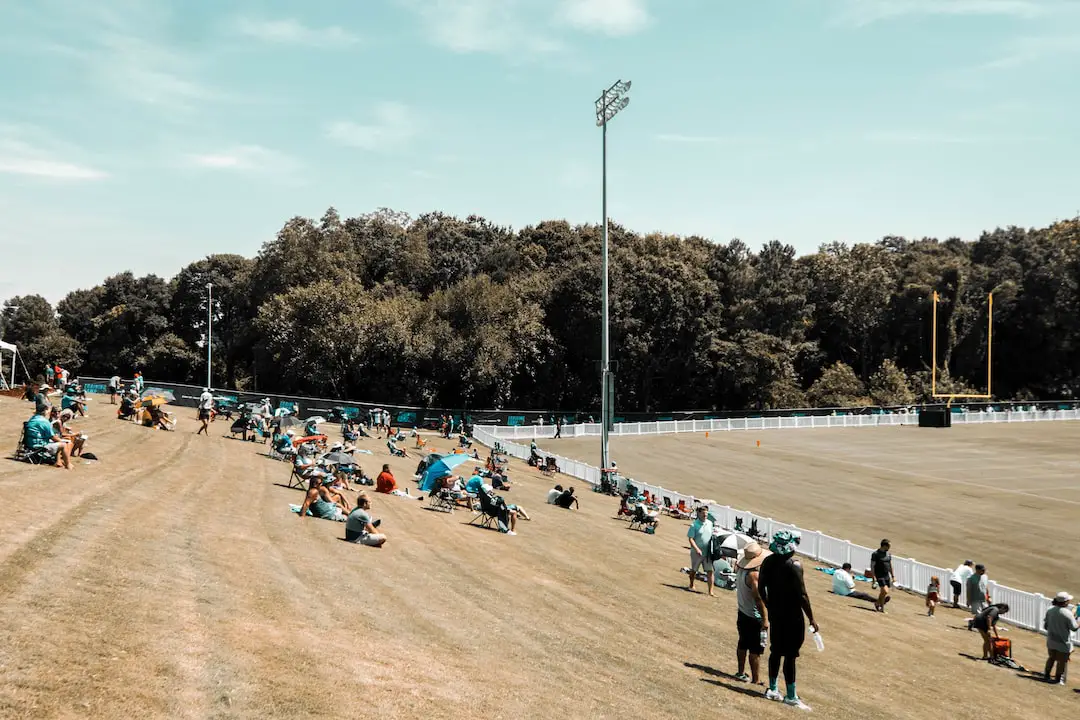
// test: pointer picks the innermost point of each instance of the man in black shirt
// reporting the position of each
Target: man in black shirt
(781, 584)
(881, 566)
(567, 499)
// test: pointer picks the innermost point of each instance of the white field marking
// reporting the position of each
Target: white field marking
(951, 481)
(1057, 487)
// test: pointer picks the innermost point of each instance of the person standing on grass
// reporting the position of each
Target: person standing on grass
(977, 592)
(1059, 624)
(700, 534)
(558, 427)
(206, 409)
(960, 576)
(986, 622)
(783, 588)
(881, 566)
(114, 388)
(753, 619)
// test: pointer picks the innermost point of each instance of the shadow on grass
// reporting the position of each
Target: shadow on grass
(971, 657)
(684, 588)
(757, 691)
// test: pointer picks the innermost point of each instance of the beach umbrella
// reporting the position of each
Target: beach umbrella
(159, 392)
(728, 544)
(440, 469)
(155, 401)
(338, 458)
(288, 421)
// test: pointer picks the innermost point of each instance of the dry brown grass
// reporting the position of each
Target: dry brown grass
(170, 580)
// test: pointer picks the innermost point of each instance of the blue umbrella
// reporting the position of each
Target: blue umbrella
(441, 468)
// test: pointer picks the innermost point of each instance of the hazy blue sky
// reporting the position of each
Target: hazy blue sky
(144, 134)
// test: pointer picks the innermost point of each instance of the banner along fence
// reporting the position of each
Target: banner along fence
(1026, 610)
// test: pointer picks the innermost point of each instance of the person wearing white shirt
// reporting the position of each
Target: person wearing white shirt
(553, 494)
(844, 585)
(959, 578)
(206, 408)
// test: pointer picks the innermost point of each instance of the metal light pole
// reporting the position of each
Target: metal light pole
(608, 106)
(209, 333)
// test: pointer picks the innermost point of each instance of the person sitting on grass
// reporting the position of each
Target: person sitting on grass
(60, 427)
(566, 499)
(554, 493)
(986, 622)
(359, 527)
(324, 503)
(385, 483)
(843, 584)
(40, 435)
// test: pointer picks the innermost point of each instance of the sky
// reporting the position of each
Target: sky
(144, 135)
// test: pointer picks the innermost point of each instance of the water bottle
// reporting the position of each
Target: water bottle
(764, 638)
(818, 642)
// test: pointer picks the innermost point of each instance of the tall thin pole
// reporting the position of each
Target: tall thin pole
(989, 342)
(209, 333)
(933, 350)
(604, 409)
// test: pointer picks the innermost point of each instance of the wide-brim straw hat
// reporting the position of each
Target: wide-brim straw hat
(753, 556)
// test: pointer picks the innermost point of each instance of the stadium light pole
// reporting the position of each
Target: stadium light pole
(209, 333)
(608, 105)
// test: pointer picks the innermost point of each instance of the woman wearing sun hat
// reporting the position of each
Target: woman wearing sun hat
(753, 620)
(1059, 624)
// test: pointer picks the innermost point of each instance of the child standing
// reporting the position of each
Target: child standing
(932, 595)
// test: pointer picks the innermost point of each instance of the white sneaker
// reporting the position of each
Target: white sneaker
(773, 695)
(796, 702)
(511, 532)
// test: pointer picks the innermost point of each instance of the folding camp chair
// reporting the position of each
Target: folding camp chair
(296, 480)
(488, 516)
(442, 501)
(642, 521)
(38, 456)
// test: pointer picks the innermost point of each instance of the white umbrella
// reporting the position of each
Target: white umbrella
(732, 543)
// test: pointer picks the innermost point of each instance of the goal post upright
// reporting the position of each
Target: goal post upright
(989, 356)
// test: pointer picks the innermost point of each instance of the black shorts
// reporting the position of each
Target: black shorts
(884, 582)
(786, 635)
(750, 634)
(955, 588)
(204, 414)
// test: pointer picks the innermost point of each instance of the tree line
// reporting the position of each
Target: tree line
(440, 311)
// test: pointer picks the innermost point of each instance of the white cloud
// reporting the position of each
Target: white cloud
(393, 125)
(293, 32)
(867, 12)
(918, 137)
(123, 48)
(56, 169)
(693, 139)
(31, 152)
(609, 17)
(243, 158)
(513, 27)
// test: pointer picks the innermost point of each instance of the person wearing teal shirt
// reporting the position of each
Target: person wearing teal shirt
(700, 535)
(475, 484)
(41, 436)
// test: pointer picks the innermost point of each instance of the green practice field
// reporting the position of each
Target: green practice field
(1007, 495)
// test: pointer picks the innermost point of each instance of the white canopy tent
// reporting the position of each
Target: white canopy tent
(8, 347)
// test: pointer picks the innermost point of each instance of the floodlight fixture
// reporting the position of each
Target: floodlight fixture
(608, 105)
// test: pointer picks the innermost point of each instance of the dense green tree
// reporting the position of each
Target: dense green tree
(461, 311)
(30, 322)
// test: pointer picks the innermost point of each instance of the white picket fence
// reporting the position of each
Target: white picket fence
(1026, 610)
(664, 427)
